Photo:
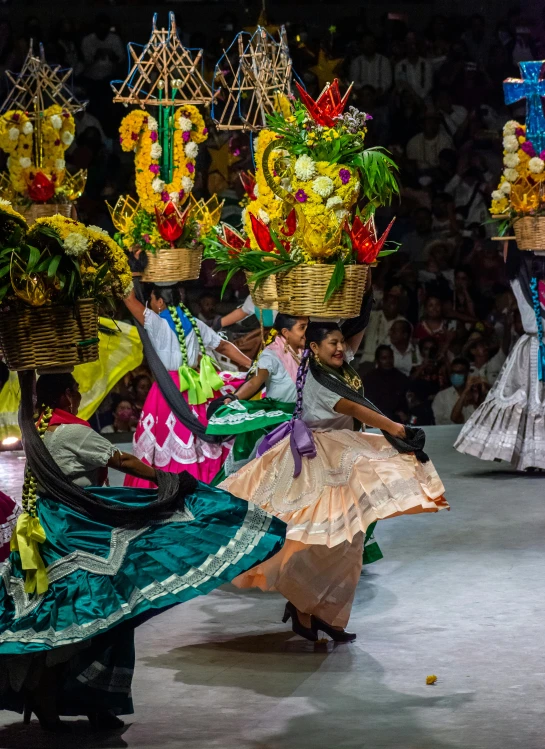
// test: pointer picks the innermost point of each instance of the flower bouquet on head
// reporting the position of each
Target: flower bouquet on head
(309, 220)
(54, 276)
(519, 200)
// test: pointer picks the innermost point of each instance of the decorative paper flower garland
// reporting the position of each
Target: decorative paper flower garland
(139, 133)
(16, 139)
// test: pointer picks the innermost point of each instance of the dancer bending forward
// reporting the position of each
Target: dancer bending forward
(329, 484)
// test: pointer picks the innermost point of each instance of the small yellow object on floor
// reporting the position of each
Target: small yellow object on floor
(431, 679)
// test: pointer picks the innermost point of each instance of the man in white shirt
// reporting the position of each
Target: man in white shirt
(406, 353)
(370, 68)
(425, 147)
(468, 191)
(378, 329)
(485, 366)
(414, 71)
(102, 51)
(445, 401)
(453, 116)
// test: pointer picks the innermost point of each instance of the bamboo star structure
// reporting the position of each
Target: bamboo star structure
(39, 85)
(253, 81)
(164, 72)
(325, 69)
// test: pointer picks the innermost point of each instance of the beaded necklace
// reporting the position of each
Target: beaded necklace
(180, 331)
(539, 322)
(29, 485)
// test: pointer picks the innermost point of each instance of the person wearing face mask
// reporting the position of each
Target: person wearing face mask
(124, 419)
(445, 400)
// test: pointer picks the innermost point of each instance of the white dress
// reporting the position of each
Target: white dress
(510, 424)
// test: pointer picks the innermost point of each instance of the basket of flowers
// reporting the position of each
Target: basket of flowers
(55, 276)
(309, 219)
(519, 200)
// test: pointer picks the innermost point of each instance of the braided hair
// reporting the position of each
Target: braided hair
(316, 332)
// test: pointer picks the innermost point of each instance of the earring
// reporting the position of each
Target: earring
(317, 359)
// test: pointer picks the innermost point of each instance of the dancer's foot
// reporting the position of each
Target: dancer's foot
(48, 721)
(297, 625)
(105, 720)
(337, 634)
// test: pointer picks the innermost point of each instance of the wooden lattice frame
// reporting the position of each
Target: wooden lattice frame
(163, 59)
(39, 85)
(261, 70)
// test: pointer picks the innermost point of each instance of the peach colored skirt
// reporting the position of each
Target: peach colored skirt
(354, 480)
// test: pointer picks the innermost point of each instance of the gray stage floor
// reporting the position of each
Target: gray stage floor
(459, 594)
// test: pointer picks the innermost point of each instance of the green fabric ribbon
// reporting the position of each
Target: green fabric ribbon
(27, 535)
(200, 386)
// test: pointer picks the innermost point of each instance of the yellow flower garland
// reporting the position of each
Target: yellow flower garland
(138, 132)
(16, 139)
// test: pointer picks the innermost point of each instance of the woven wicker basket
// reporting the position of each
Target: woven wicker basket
(32, 337)
(266, 294)
(301, 291)
(176, 264)
(43, 210)
(530, 232)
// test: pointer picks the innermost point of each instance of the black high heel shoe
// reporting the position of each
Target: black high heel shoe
(54, 726)
(105, 721)
(290, 612)
(337, 635)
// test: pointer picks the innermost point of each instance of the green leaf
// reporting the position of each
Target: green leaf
(4, 271)
(3, 290)
(53, 266)
(336, 281)
(33, 257)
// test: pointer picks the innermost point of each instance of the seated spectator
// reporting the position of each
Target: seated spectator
(378, 129)
(207, 309)
(433, 324)
(457, 395)
(477, 41)
(424, 148)
(437, 277)
(385, 386)
(415, 243)
(125, 419)
(414, 71)
(140, 387)
(406, 353)
(443, 214)
(453, 116)
(484, 364)
(461, 307)
(469, 193)
(370, 68)
(378, 329)
(420, 411)
(432, 370)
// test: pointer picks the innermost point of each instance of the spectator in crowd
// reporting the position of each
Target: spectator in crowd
(385, 386)
(414, 71)
(484, 364)
(125, 419)
(458, 394)
(140, 387)
(444, 223)
(371, 68)
(416, 242)
(437, 277)
(378, 129)
(420, 412)
(67, 50)
(432, 371)
(406, 353)
(469, 193)
(461, 307)
(424, 148)
(207, 309)
(453, 116)
(477, 40)
(433, 324)
(102, 50)
(378, 329)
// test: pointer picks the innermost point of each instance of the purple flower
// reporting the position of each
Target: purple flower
(146, 238)
(301, 196)
(186, 135)
(120, 140)
(165, 197)
(344, 175)
(154, 168)
(542, 155)
(205, 131)
(153, 135)
(15, 117)
(181, 195)
(190, 168)
(528, 148)
(519, 132)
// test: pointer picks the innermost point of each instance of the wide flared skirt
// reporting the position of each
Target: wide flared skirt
(162, 441)
(9, 512)
(510, 424)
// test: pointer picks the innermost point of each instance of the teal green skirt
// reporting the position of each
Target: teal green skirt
(104, 581)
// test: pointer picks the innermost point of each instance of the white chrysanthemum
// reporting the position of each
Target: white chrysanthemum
(13, 133)
(25, 162)
(505, 188)
(56, 121)
(243, 216)
(67, 138)
(98, 230)
(174, 196)
(75, 244)
(256, 191)
(511, 143)
(5, 202)
(152, 123)
(60, 163)
(323, 186)
(305, 168)
(28, 128)
(191, 150)
(497, 195)
(341, 214)
(510, 127)
(156, 151)
(511, 175)
(264, 216)
(158, 185)
(357, 186)
(511, 160)
(187, 184)
(128, 288)
(536, 165)
(184, 123)
(333, 201)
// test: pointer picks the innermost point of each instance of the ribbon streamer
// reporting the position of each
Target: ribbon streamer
(27, 535)
(301, 442)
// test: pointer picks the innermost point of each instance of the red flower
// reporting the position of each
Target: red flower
(41, 188)
(170, 222)
(263, 235)
(248, 183)
(291, 224)
(231, 239)
(364, 240)
(328, 106)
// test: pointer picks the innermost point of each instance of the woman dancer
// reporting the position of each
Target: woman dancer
(180, 342)
(90, 564)
(510, 424)
(329, 485)
(276, 371)
(9, 512)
